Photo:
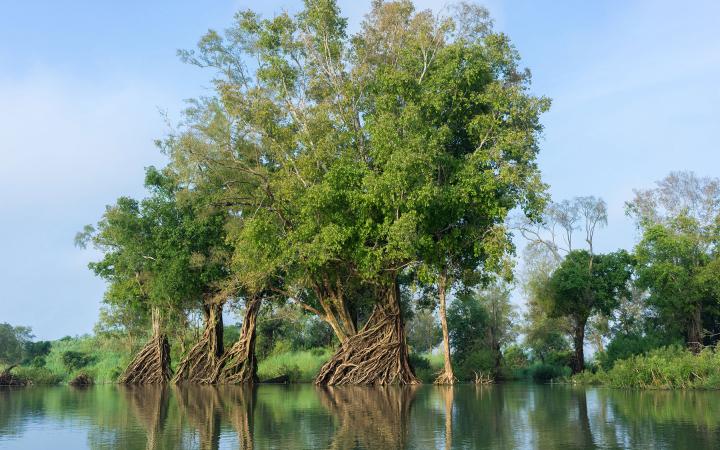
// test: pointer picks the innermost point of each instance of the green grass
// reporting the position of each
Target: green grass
(107, 359)
(665, 368)
(301, 366)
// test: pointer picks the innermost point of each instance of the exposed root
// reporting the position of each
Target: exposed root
(8, 379)
(202, 362)
(239, 365)
(445, 377)
(369, 417)
(82, 380)
(151, 365)
(483, 378)
(376, 355)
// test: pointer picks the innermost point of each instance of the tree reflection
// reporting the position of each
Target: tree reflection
(369, 417)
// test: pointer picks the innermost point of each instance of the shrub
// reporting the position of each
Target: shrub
(37, 375)
(544, 372)
(73, 360)
(478, 360)
(671, 367)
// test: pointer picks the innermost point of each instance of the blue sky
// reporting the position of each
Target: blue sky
(634, 86)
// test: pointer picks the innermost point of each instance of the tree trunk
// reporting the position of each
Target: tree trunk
(152, 363)
(377, 354)
(447, 376)
(579, 343)
(239, 364)
(694, 333)
(202, 361)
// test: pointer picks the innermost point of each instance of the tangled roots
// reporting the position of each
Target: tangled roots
(151, 365)
(202, 362)
(376, 355)
(239, 365)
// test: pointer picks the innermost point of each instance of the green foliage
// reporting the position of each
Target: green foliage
(108, 357)
(73, 360)
(585, 284)
(37, 375)
(423, 331)
(34, 352)
(623, 346)
(12, 343)
(467, 323)
(670, 367)
(544, 372)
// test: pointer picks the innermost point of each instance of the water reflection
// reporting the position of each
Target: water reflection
(298, 417)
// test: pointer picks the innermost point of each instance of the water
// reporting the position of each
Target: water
(307, 417)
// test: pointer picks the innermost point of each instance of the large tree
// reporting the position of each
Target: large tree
(585, 284)
(349, 159)
(678, 263)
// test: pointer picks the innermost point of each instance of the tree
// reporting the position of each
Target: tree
(424, 334)
(348, 160)
(678, 253)
(585, 284)
(162, 257)
(501, 330)
(12, 343)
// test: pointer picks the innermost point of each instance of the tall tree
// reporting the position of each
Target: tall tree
(348, 160)
(585, 284)
(678, 253)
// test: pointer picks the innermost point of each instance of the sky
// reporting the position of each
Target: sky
(86, 87)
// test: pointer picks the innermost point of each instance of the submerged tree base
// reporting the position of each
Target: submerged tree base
(445, 378)
(151, 365)
(376, 355)
(239, 365)
(203, 360)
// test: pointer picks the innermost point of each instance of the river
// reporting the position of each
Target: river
(509, 416)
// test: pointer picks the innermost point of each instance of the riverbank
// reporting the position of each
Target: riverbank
(671, 367)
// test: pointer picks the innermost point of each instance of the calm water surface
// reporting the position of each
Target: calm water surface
(308, 417)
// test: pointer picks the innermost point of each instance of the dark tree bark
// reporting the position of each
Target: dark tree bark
(694, 332)
(239, 364)
(579, 343)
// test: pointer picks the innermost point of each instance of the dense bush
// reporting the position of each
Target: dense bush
(672, 367)
(544, 372)
(623, 346)
(37, 375)
(73, 360)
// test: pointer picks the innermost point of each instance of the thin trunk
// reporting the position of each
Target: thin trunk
(447, 376)
(579, 342)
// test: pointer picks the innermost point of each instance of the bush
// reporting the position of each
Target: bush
(422, 367)
(624, 346)
(544, 372)
(671, 367)
(73, 360)
(37, 375)
(479, 360)
(307, 362)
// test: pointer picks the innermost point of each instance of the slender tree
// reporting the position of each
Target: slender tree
(585, 284)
